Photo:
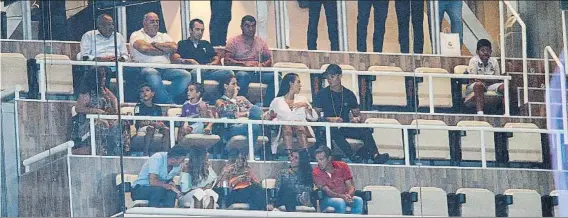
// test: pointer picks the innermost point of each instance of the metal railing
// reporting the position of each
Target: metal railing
(523, 43)
(45, 154)
(326, 125)
(198, 68)
(548, 51)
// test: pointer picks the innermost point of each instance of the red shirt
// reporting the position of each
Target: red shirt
(338, 177)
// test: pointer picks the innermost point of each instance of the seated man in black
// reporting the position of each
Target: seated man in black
(337, 103)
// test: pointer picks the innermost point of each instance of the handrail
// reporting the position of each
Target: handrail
(45, 154)
(353, 74)
(548, 50)
(9, 91)
(327, 125)
(523, 43)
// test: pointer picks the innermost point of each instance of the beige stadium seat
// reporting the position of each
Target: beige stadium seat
(461, 69)
(295, 142)
(388, 140)
(386, 200)
(14, 71)
(431, 143)
(442, 88)
(138, 138)
(526, 203)
(562, 196)
(388, 90)
(255, 90)
(210, 86)
(524, 146)
(471, 142)
(479, 202)
(304, 77)
(432, 201)
(241, 142)
(346, 78)
(129, 203)
(59, 78)
(193, 140)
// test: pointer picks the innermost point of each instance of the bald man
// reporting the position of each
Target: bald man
(151, 46)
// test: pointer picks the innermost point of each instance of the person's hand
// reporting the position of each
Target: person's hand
(269, 207)
(251, 64)
(356, 120)
(108, 94)
(97, 111)
(347, 198)
(334, 119)
(227, 168)
(190, 61)
(207, 130)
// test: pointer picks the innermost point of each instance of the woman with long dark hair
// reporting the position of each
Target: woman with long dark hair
(96, 98)
(197, 181)
(294, 184)
(289, 106)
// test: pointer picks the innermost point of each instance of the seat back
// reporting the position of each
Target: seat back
(431, 143)
(432, 201)
(442, 88)
(346, 78)
(479, 202)
(14, 70)
(471, 141)
(386, 200)
(388, 90)
(524, 146)
(461, 69)
(526, 203)
(562, 196)
(128, 110)
(174, 112)
(268, 183)
(388, 140)
(59, 78)
(304, 77)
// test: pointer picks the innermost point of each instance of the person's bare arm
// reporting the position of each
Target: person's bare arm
(331, 193)
(81, 106)
(350, 187)
(232, 62)
(216, 60)
(147, 48)
(155, 181)
(357, 117)
(176, 59)
(167, 47)
(267, 63)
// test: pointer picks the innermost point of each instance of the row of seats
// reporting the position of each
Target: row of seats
(428, 201)
(386, 90)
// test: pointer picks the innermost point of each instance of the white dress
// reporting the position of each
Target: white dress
(284, 113)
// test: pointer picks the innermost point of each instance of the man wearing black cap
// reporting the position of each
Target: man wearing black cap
(337, 104)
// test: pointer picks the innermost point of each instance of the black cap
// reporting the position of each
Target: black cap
(332, 69)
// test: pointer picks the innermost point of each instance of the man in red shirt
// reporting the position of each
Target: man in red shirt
(336, 181)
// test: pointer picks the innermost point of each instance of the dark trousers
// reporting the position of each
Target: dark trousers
(287, 197)
(253, 195)
(156, 196)
(330, 7)
(220, 18)
(405, 10)
(339, 135)
(380, 15)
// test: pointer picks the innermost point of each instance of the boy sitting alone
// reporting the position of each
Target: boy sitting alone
(478, 89)
(194, 107)
(146, 107)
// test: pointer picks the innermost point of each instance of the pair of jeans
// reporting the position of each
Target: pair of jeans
(380, 15)
(339, 135)
(155, 195)
(330, 7)
(253, 195)
(340, 205)
(405, 10)
(180, 79)
(219, 23)
(212, 74)
(244, 78)
(454, 10)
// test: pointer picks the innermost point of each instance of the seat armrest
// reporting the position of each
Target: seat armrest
(127, 187)
(365, 195)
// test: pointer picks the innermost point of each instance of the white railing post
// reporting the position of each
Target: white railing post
(276, 83)
(563, 78)
(483, 149)
(506, 97)
(406, 145)
(198, 73)
(431, 94)
(172, 134)
(549, 52)
(120, 75)
(251, 140)
(42, 80)
(354, 83)
(519, 20)
(559, 164)
(328, 136)
(93, 134)
(502, 35)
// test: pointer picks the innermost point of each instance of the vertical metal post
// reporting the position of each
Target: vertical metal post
(120, 72)
(341, 25)
(406, 147)
(251, 140)
(93, 140)
(431, 93)
(483, 149)
(506, 97)
(502, 34)
(121, 20)
(276, 83)
(42, 79)
(185, 17)
(328, 136)
(198, 72)
(172, 134)
(26, 19)
(563, 79)
(559, 158)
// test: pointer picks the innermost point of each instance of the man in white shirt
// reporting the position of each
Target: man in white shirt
(483, 64)
(151, 46)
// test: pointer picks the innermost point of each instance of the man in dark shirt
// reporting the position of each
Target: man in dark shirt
(199, 52)
(148, 128)
(339, 103)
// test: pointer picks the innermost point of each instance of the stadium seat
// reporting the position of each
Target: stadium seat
(386, 200)
(129, 179)
(471, 142)
(431, 201)
(346, 78)
(388, 90)
(478, 202)
(461, 69)
(490, 96)
(525, 203)
(193, 140)
(304, 77)
(561, 197)
(59, 78)
(431, 143)
(442, 88)
(388, 140)
(241, 142)
(210, 86)
(524, 146)
(14, 71)
(137, 140)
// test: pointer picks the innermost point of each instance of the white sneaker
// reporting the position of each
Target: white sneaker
(480, 113)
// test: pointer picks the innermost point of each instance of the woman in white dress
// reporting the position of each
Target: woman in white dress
(197, 181)
(289, 106)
